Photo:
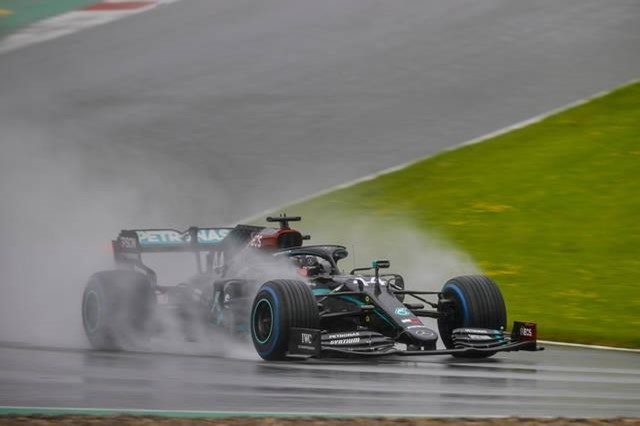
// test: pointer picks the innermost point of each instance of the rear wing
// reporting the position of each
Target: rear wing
(168, 240)
(215, 242)
(220, 244)
(194, 239)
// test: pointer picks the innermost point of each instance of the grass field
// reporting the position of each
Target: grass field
(551, 211)
(15, 14)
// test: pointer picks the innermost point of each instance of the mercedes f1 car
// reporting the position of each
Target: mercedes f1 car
(293, 300)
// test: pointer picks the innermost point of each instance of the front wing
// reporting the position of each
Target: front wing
(307, 343)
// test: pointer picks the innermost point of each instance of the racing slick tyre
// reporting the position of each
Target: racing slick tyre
(477, 303)
(117, 309)
(279, 306)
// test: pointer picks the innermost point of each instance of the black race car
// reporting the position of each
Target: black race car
(292, 299)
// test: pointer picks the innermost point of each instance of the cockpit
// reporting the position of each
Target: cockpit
(315, 260)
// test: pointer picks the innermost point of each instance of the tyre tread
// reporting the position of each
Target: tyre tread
(485, 304)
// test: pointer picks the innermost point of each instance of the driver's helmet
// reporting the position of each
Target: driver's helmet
(309, 266)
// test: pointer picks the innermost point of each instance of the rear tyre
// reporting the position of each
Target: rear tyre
(477, 303)
(117, 310)
(279, 306)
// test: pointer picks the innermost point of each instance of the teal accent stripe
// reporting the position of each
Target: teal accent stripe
(64, 411)
(352, 300)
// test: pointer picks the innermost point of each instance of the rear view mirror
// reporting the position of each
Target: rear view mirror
(380, 264)
(340, 254)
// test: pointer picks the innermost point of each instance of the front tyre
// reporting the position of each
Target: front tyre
(279, 306)
(476, 302)
(117, 309)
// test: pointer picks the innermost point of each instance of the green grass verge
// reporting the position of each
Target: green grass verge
(551, 211)
(15, 14)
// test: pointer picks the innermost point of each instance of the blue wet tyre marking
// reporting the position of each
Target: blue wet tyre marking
(463, 301)
(275, 323)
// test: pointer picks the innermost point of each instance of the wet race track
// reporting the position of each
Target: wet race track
(555, 382)
(216, 104)
(213, 104)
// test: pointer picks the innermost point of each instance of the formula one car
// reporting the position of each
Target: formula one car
(293, 300)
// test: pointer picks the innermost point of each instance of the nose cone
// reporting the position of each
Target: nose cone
(423, 333)
(423, 336)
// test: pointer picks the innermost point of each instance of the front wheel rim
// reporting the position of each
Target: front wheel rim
(91, 311)
(263, 321)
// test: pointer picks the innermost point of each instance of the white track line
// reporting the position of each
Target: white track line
(581, 345)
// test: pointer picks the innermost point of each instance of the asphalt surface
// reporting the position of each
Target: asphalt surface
(204, 112)
(556, 382)
(236, 107)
